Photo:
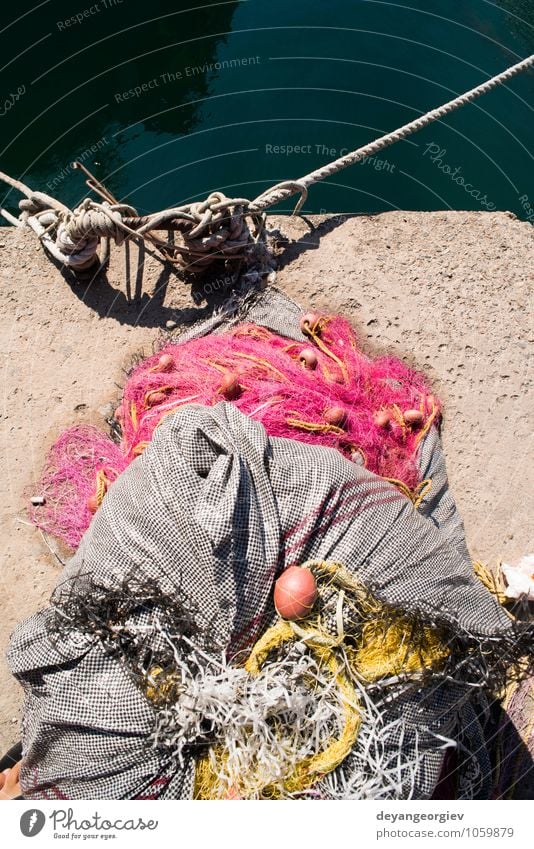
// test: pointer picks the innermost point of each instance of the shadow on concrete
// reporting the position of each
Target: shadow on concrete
(310, 241)
(133, 306)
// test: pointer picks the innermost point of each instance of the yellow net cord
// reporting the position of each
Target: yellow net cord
(312, 427)
(493, 581)
(162, 688)
(396, 648)
(133, 415)
(416, 495)
(307, 771)
(428, 423)
(314, 332)
(152, 392)
(102, 484)
(387, 645)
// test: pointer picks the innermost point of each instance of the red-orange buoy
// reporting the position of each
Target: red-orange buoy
(413, 417)
(295, 593)
(230, 387)
(309, 320)
(308, 358)
(336, 416)
(92, 504)
(382, 418)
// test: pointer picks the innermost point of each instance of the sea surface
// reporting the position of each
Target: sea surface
(167, 101)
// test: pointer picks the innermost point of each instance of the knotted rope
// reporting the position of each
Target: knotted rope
(231, 230)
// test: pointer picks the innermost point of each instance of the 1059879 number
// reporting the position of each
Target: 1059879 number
(489, 831)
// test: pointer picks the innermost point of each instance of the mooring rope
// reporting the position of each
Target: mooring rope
(218, 228)
(281, 192)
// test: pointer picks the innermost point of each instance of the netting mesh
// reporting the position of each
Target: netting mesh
(323, 391)
(82, 457)
(172, 586)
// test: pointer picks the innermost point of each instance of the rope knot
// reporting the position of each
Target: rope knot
(218, 228)
(79, 231)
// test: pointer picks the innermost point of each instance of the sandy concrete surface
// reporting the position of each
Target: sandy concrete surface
(448, 291)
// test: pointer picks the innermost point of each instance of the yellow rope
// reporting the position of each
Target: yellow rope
(399, 418)
(493, 582)
(254, 331)
(102, 484)
(148, 395)
(223, 369)
(139, 448)
(314, 332)
(356, 449)
(262, 363)
(312, 427)
(292, 346)
(133, 415)
(429, 422)
(338, 750)
(305, 773)
(274, 637)
(416, 495)
(388, 644)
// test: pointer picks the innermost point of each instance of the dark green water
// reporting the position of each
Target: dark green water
(168, 101)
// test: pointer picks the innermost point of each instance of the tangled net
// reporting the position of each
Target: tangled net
(323, 391)
(275, 723)
(80, 463)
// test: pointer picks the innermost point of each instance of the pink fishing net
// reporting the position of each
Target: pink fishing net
(324, 391)
(80, 462)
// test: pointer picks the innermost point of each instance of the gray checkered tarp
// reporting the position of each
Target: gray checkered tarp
(214, 509)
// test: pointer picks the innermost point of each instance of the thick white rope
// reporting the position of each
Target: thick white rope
(215, 228)
(283, 191)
